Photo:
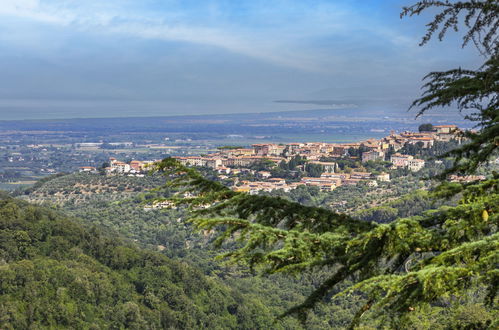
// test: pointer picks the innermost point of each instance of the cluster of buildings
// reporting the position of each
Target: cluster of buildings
(222, 159)
(254, 187)
(135, 167)
(227, 159)
(234, 160)
(407, 161)
(326, 182)
(377, 149)
(373, 149)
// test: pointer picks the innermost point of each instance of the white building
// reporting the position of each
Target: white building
(415, 164)
(87, 169)
(400, 160)
(372, 155)
(384, 177)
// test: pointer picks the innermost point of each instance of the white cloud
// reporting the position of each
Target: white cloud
(266, 45)
(281, 42)
(246, 45)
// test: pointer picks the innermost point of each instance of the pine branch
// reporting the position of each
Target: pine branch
(264, 210)
(468, 90)
(480, 18)
(281, 236)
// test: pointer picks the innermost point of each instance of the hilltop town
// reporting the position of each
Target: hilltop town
(271, 166)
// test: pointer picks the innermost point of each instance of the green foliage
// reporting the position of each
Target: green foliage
(413, 267)
(357, 152)
(229, 147)
(480, 20)
(412, 204)
(293, 163)
(381, 214)
(438, 149)
(400, 266)
(263, 165)
(55, 273)
(314, 170)
(425, 127)
(475, 92)
(468, 89)
(295, 168)
(124, 213)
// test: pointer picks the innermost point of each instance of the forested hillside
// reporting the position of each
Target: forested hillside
(55, 272)
(126, 212)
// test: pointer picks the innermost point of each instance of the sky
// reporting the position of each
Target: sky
(116, 58)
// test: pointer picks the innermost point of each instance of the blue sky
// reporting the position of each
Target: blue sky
(87, 58)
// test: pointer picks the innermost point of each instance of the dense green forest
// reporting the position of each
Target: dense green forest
(57, 273)
(277, 235)
(124, 212)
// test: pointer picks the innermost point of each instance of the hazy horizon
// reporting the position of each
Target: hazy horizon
(67, 59)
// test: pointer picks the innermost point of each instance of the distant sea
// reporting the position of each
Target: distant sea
(365, 114)
(327, 125)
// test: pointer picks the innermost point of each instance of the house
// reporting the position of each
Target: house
(278, 182)
(263, 174)
(339, 151)
(213, 162)
(327, 166)
(408, 161)
(253, 187)
(360, 175)
(223, 170)
(445, 129)
(192, 161)
(372, 155)
(324, 183)
(371, 144)
(340, 176)
(399, 160)
(415, 164)
(293, 147)
(120, 167)
(351, 182)
(200, 161)
(87, 169)
(425, 141)
(268, 149)
(237, 152)
(384, 177)
(136, 165)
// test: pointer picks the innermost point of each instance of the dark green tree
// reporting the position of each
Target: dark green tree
(425, 128)
(473, 92)
(404, 265)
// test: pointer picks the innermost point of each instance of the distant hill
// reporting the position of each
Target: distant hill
(56, 273)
